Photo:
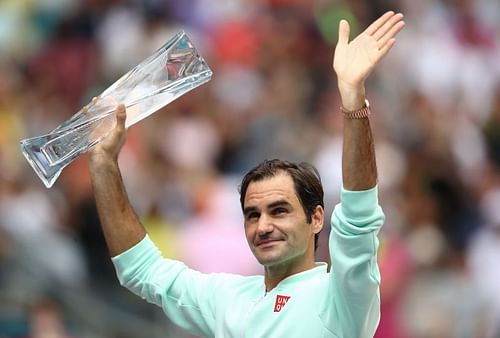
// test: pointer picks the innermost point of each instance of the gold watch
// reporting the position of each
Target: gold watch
(361, 113)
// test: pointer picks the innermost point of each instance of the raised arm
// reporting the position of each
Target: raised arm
(356, 221)
(120, 224)
(186, 296)
(353, 62)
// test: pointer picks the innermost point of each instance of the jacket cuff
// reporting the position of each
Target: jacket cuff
(359, 205)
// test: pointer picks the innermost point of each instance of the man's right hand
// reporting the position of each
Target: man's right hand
(121, 226)
(109, 148)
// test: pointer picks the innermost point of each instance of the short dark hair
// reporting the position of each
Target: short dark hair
(306, 180)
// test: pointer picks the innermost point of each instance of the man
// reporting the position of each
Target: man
(283, 213)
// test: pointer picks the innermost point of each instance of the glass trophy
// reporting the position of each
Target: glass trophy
(172, 71)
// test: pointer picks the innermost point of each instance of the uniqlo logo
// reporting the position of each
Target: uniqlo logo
(280, 302)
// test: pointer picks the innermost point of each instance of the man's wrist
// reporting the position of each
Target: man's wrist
(357, 114)
(98, 161)
(352, 97)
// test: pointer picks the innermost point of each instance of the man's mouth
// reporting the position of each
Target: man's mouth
(265, 242)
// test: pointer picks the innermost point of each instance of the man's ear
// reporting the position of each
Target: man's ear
(317, 219)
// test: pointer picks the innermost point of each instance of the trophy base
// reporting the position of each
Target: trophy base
(32, 150)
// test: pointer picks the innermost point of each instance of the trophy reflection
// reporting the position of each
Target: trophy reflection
(173, 70)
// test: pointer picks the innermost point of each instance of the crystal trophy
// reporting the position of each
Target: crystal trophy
(172, 71)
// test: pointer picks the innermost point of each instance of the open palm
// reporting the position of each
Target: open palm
(354, 61)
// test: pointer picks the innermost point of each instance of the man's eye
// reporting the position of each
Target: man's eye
(280, 211)
(253, 215)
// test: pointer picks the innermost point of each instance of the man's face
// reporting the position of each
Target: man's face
(275, 222)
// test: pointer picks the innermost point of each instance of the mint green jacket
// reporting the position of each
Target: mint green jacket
(342, 303)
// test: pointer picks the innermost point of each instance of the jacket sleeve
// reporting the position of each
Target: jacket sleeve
(186, 296)
(354, 278)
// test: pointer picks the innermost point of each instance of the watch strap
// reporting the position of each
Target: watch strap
(361, 113)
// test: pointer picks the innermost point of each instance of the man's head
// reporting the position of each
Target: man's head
(282, 204)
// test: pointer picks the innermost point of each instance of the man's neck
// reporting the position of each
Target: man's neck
(276, 273)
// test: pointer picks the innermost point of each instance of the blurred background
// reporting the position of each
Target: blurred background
(436, 119)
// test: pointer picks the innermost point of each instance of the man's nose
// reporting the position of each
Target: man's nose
(265, 225)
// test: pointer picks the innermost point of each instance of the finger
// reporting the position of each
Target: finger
(385, 49)
(390, 34)
(121, 116)
(379, 22)
(344, 31)
(90, 104)
(382, 31)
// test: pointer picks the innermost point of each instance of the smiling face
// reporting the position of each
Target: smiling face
(276, 227)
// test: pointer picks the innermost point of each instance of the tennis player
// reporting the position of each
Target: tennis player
(283, 210)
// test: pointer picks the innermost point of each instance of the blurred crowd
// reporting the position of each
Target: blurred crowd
(436, 118)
